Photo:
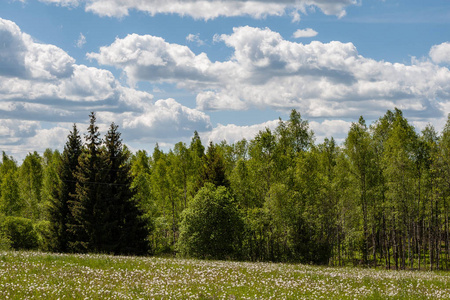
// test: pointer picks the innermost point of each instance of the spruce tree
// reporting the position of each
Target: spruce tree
(106, 218)
(62, 195)
(125, 229)
(86, 207)
(214, 167)
(197, 154)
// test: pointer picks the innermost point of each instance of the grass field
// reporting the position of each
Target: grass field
(33, 275)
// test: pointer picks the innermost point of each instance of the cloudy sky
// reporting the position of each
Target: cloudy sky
(161, 69)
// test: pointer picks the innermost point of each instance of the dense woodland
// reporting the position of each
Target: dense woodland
(379, 199)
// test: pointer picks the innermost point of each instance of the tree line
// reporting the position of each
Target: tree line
(379, 199)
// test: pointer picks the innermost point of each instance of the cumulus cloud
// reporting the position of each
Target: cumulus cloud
(440, 53)
(12, 52)
(22, 58)
(209, 9)
(167, 118)
(337, 129)
(319, 79)
(15, 129)
(233, 133)
(20, 137)
(42, 83)
(89, 84)
(151, 58)
(51, 138)
(305, 33)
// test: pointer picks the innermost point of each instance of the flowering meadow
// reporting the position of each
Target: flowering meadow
(35, 275)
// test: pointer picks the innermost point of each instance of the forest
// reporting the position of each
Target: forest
(380, 199)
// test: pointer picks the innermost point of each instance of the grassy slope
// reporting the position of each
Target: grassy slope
(56, 276)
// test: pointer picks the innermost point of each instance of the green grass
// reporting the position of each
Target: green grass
(28, 275)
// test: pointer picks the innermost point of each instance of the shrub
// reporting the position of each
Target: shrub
(5, 243)
(211, 225)
(43, 233)
(20, 232)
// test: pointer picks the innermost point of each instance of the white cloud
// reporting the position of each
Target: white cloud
(337, 129)
(48, 62)
(17, 129)
(318, 79)
(20, 137)
(22, 58)
(195, 38)
(81, 41)
(305, 33)
(233, 133)
(209, 9)
(42, 83)
(12, 52)
(441, 53)
(85, 84)
(152, 58)
(166, 118)
(52, 138)
(89, 84)
(213, 101)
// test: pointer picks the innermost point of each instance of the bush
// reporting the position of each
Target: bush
(5, 243)
(211, 225)
(20, 232)
(44, 234)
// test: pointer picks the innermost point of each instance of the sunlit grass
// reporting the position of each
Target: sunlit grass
(25, 275)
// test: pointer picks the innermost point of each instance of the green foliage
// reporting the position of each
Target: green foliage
(381, 198)
(60, 187)
(211, 225)
(5, 242)
(8, 164)
(44, 235)
(243, 185)
(168, 198)
(11, 203)
(20, 232)
(360, 152)
(30, 180)
(105, 215)
(214, 167)
(141, 185)
(197, 154)
(87, 207)
(125, 228)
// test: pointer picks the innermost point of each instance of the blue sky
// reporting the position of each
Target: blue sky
(162, 69)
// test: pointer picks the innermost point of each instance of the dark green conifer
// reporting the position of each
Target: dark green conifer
(87, 207)
(62, 194)
(125, 229)
(214, 167)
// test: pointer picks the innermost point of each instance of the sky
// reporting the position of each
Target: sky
(161, 69)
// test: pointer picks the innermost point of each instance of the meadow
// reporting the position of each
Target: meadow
(36, 275)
